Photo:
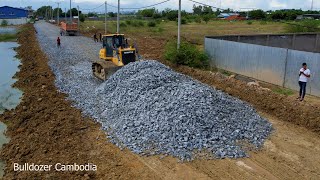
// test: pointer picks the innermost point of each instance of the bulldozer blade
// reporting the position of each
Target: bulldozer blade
(104, 69)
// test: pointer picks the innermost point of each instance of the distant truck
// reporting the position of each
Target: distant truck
(69, 29)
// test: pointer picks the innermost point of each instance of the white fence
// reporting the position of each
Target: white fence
(274, 65)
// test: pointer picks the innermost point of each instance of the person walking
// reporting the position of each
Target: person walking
(58, 42)
(304, 74)
(95, 37)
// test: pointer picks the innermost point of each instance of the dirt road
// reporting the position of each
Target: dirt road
(44, 128)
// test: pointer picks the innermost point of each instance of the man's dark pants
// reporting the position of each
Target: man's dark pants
(303, 87)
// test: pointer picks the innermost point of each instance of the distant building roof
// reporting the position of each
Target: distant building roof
(225, 15)
(308, 16)
(7, 12)
(24, 9)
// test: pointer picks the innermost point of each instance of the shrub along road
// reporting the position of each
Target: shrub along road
(45, 129)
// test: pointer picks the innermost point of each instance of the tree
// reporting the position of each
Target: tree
(147, 12)
(227, 11)
(92, 14)
(55, 11)
(165, 12)
(197, 9)
(257, 14)
(112, 14)
(42, 10)
(207, 10)
(74, 12)
(206, 18)
(82, 17)
(172, 15)
(217, 13)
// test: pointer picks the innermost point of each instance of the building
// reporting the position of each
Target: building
(308, 16)
(226, 15)
(14, 16)
(235, 18)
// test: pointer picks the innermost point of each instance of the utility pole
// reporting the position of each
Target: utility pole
(118, 18)
(65, 15)
(312, 5)
(78, 20)
(70, 13)
(46, 14)
(105, 17)
(179, 25)
(58, 13)
(51, 12)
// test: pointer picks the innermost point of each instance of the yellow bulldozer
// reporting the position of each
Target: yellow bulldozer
(115, 53)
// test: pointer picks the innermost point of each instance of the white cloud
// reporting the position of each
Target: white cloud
(276, 4)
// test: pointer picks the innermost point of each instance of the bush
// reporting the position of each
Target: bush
(82, 18)
(158, 30)
(184, 21)
(206, 18)
(249, 22)
(172, 15)
(140, 23)
(188, 55)
(263, 23)
(158, 21)
(128, 22)
(7, 37)
(304, 26)
(152, 24)
(197, 19)
(122, 24)
(4, 23)
(137, 23)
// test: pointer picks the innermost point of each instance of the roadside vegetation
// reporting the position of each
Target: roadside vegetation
(4, 23)
(7, 37)
(283, 91)
(188, 55)
(303, 26)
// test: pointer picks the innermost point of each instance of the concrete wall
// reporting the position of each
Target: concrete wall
(16, 21)
(274, 65)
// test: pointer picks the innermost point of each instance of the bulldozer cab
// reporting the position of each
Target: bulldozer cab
(113, 42)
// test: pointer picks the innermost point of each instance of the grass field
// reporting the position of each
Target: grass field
(193, 32)
(7, 37)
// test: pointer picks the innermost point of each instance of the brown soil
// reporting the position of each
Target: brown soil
(45, 129)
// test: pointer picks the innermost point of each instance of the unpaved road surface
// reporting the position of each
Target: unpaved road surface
(44, 129)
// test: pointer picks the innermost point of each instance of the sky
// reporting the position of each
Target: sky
(89, 5)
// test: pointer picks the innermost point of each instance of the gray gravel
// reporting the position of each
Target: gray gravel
(150, 109)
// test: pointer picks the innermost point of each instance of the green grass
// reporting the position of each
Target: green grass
(226, 73)
(7, 37)
(287, 92)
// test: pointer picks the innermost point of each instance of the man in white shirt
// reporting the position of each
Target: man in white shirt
(304, 75)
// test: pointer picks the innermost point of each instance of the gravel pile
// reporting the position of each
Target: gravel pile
(153, 110)
(150, 109)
